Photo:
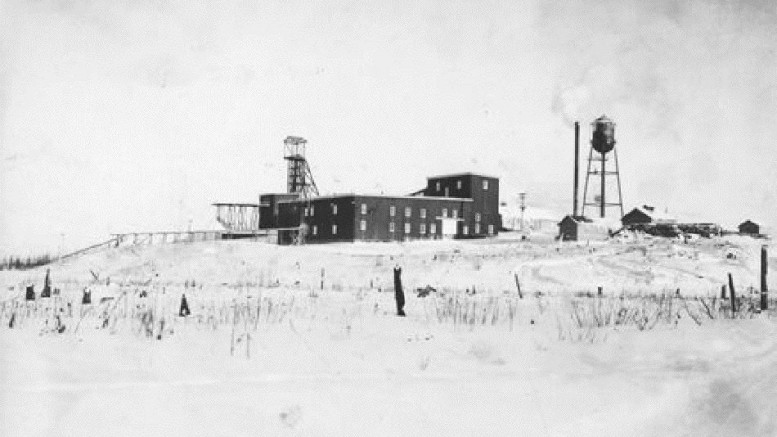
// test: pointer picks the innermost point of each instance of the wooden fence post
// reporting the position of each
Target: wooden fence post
(399, 294)
(764, 286)
(733, 295)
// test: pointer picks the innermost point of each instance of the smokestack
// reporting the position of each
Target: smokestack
(577, 171)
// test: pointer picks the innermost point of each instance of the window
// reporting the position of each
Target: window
(447, 192)
(438, 186)
(477, 228)
(364, 208)
(422, 227)
(458, 184)
(408, 211)
(312, 210)
(433, 228)
(490, 229)
(465, 230)
(391, 227)
(423, 213)
(392, 210)
(455, 213)
(363, 225)
(407, 228)
(315, 230)
(445, 212)
(306, 211)
(477, 216)
(485, 184)
(334, 209)
(334, 229)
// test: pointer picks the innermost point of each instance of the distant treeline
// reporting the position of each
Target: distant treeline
(24, 263)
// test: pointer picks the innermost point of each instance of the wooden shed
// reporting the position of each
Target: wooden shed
(579, 228)
(646, 215)
(749, 227)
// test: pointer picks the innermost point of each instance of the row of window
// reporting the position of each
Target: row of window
(458, 186)
(432, 228)
(422, 212)
(309, 211)
(408, 228)
(363, 227)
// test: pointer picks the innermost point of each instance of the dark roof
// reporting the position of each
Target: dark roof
(461, 174)
(236, 204)
(577, 218)
(383, 196)
(650, 212)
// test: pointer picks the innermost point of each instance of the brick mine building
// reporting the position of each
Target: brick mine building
(464, 205)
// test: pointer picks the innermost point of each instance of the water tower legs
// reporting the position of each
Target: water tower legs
(603, 199)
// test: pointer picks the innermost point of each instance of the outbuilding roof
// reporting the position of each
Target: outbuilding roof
(655, 215)
(608, 223)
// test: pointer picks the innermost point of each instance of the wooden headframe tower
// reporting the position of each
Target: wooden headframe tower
(299, 177)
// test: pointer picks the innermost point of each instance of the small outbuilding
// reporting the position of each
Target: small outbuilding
(579, 228)
(749, 227)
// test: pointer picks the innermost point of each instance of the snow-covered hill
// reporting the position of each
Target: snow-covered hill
(646, 265)
(268, 351)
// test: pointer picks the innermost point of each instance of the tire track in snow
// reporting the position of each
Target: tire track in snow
(275, 378)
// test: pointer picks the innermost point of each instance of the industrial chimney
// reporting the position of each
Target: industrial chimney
(577, 171)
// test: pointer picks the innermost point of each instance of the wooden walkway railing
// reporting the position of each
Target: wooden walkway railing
(163, 237)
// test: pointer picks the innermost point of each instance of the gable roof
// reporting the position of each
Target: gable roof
(654, 215)
(606, 223)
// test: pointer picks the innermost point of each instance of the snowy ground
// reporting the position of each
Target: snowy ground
(337, 362)
(651, 265)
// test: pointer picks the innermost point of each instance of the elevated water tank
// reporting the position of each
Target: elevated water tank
(603, 138)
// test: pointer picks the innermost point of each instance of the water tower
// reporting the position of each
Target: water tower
(299, 177)
(602, 143)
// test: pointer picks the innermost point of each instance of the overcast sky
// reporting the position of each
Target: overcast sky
(130, 115)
